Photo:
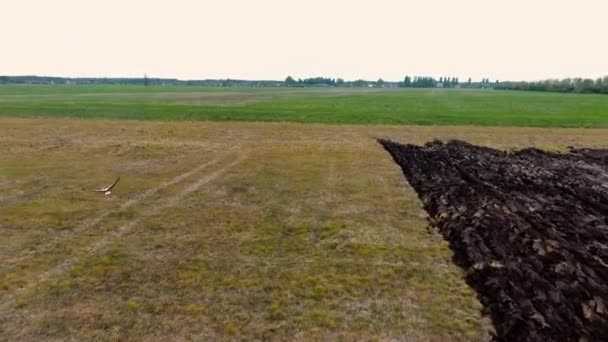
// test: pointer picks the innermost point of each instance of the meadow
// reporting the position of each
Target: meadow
(309, 105)
(228, 230)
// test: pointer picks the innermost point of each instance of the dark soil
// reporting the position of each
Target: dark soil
(529, 227)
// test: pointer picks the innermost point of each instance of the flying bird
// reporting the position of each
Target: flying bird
(108, 190)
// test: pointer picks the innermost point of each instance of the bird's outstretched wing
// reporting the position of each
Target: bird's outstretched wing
(113, 184)
(108, 188)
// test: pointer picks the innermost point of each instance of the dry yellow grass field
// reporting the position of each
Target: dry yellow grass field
(229, 231)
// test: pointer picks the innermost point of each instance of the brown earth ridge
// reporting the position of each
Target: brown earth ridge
(530, 228)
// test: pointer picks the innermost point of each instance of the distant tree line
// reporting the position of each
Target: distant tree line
(567, 85)
(82, 80)
(313, 82)
(444, 82)
(145, 81)
(429, 82)
(337, 82)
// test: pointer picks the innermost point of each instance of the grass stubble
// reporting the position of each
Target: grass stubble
(228, 231)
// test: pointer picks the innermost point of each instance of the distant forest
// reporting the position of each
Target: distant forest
(146, 81)
(414, 82)
(569, 85)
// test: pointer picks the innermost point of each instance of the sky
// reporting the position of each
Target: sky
(270, 39)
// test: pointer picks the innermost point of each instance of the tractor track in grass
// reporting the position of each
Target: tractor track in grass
(8, 300)
(530, 228)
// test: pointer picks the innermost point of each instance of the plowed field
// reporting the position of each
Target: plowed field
(529, 227)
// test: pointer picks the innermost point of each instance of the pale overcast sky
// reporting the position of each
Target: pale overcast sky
(270, 39)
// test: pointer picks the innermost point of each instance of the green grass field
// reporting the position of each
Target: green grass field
(331, 106)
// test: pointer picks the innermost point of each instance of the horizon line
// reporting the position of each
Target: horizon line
(465, 80)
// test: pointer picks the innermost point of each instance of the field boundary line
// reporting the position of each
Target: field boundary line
(92, 222)
(65, 266)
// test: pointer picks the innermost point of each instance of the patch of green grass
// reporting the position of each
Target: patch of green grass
(61, 287)
(132, 304)
(332, 106)
(194, 309)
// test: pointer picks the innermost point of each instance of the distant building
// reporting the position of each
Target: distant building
(439, 85)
